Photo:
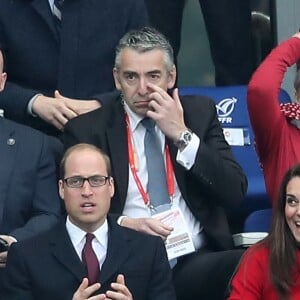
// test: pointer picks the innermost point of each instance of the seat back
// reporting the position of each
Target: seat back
(258, 221)
(233, 115)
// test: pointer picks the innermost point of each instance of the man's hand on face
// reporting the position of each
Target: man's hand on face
(166, 111)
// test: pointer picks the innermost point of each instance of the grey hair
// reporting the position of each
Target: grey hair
(144, 40)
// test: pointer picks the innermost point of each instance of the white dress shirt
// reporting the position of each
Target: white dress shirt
(99, 243)
(134, 205)
(51, 3)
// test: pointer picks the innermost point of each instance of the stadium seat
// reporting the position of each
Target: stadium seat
(258, 221)
(233, 115)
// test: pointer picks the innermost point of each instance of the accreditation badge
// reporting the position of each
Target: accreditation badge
(179, 242)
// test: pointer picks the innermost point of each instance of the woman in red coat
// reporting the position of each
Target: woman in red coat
(271, 269)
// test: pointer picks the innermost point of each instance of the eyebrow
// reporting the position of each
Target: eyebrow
(147, 73)
(292, 196)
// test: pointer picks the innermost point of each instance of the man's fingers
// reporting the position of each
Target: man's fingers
(121, 279)
(119, 289)
(84, 284)
(84, 291)
(176, 96)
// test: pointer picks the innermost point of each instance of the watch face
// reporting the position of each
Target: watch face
(187, 136)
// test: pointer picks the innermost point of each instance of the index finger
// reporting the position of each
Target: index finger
(121, 279)
(84, 284)
(158, 89)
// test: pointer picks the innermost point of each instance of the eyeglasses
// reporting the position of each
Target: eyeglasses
(78, 181)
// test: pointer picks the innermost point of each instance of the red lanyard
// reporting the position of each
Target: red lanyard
(132, 164)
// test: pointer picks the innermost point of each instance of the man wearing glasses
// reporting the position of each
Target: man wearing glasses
(88, 254)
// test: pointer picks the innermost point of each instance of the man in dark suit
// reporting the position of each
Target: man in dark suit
(130, 265)
(29, 200)
(228, 26)
(75, 57)
(206, 177)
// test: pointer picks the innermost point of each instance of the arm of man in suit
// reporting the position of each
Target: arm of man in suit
(46, 204)
(16, 284)
(214, 169)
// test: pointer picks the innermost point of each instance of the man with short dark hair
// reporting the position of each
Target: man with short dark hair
(88, 255)
(199, 174)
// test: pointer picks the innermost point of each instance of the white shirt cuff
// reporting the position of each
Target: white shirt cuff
(187, 156)
(30, 103)
(120, 219)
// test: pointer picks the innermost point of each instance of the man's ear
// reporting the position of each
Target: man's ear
(117, 79)
(112, 186)
(3, 77)
(172, 77)
(61, 189)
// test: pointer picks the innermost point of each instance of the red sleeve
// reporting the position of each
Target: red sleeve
(264, 87)
(251, 276)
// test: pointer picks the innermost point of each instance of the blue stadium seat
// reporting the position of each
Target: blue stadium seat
(233, 114)
(258, 221)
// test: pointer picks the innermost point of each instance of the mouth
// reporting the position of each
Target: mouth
(142, 103)
(87, 206)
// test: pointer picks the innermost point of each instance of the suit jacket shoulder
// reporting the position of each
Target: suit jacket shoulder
(30, 201)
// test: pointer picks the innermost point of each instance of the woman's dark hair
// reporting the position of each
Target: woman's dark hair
(282, 245)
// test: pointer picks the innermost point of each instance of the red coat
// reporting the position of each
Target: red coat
(252, 282)
(277, 141)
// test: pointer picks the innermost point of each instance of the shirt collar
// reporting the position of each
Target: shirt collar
(51, 2)
(77, 234)
(134, 118)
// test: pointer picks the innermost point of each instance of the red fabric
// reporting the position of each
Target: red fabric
(252, 282)
(277, 140)
(90, 260)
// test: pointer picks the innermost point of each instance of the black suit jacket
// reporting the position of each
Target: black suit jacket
(29, 200)
(78, 61)
(214, 182)
(48, 268)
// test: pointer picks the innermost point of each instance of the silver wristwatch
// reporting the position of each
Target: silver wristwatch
(184, 139)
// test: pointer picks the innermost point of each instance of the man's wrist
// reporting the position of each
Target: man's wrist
(30, 105)
(184, 139)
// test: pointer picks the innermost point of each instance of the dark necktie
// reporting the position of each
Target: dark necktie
(57, 9)
(157, 183)
(90, 260)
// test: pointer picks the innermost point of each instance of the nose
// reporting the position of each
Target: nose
(142, 88)
(298, 209)
(86, 189)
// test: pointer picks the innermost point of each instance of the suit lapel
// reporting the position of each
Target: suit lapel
(118, 250)
(42, 7)
(117, 143)
(62, 248)
(8, 149)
